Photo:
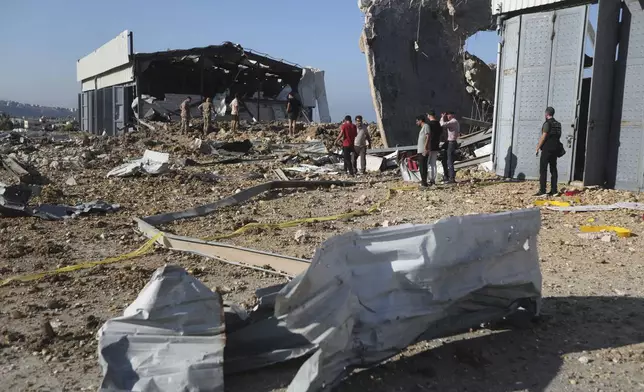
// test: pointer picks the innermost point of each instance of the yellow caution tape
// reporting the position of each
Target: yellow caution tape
(145, 249)
(149, 245)
(297, 222)
(554, 203)
(620, 231)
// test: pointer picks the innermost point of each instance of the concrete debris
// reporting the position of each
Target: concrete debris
(362, 200)
(152, 163)
(71, 181)
(481, 79)
(301, 236)
(24, 172)
(427, 72)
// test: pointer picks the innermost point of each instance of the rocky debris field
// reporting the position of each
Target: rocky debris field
(590, 337)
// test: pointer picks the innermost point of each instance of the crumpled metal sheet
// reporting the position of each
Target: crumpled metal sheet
(153, 162)
(59, 212)
(369, 294)
(171, 338)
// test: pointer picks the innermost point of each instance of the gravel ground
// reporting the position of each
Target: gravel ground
(591, 337)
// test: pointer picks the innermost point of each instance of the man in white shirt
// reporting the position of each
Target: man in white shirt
(362, 141)
(234, 111)
(453, 128)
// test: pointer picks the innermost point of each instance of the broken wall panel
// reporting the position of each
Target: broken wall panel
(406, 82)
(506, 97)
(601, 94)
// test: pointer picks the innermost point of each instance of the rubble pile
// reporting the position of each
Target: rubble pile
(256, 238)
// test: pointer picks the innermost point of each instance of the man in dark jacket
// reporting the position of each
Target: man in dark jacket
(549, 147)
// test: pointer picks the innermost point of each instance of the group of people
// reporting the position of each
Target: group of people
(355, 139)
(207, 109)
(432, 132)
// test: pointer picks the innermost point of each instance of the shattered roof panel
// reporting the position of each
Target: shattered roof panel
(229, 52)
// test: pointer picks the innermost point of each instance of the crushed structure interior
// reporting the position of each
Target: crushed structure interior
(214, 70)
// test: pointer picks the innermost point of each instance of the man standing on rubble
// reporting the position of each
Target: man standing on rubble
(550, 146)
(206, 109)
(348, 133)
(293, 108)
(422, 149)
(234, 112)
(435, 133)
(362, 141)
(185, 114)
(453, 128)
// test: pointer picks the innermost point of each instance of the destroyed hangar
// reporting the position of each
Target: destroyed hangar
(114, 80)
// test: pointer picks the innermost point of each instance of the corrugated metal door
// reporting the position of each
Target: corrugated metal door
(84, 114)
(506, 97)
(119, 109)
(91, 99)
(630, 158)
(565, 78)
(532, 91)
(548, 73)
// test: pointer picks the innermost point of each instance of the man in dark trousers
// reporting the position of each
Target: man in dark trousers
(449, 122)
(435, 133)
(348, 133)
(293, 108)
(549, 146)
(422, 149)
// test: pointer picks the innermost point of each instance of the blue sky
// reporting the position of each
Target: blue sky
(41, 40)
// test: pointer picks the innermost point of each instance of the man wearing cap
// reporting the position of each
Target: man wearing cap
(453, 128)
(549, 147)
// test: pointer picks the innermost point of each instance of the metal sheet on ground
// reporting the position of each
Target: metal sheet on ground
(369, 294)
(240, 197)
(171, 338)
(265, 261)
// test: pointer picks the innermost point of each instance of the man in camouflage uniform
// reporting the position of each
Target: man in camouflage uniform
(185, 114)
(206, 110)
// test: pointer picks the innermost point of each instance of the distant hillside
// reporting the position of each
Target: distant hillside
(17, 109)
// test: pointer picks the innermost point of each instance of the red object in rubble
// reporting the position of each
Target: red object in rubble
(572, 193)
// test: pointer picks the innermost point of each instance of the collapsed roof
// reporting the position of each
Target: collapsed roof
(213, 70)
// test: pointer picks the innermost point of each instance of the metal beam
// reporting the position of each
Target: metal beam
(255, 259)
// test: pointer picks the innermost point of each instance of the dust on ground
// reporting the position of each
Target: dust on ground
(591, 337)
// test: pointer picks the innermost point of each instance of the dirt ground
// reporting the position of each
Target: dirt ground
(590, 338)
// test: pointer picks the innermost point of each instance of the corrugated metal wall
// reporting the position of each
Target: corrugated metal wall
(548, 72)
(505, 6)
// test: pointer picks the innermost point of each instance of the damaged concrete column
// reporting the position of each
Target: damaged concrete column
(412, 69)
